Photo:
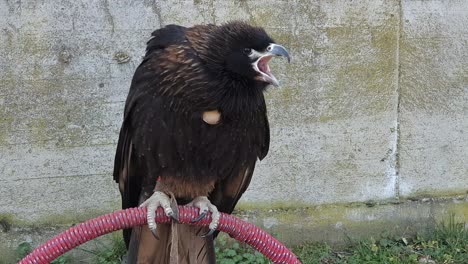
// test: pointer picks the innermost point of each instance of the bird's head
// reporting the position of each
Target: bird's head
(243, 51)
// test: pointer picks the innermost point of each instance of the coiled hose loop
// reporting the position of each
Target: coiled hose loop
(123, 219)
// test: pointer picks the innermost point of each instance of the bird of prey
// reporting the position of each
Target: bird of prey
(195, 123)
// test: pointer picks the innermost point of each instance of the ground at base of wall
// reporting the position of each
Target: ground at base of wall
(385, 227)
(446, 243)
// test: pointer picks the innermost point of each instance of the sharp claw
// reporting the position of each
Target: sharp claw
(205, 206)
(155, 234)
(159, 199)
(209, 233)
(200, 217)
(174, 216)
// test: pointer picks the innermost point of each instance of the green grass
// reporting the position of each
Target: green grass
(107, 253)
(229, 251)
(24, 248)
(447, 243)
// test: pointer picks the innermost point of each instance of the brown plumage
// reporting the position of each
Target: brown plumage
(186, 73)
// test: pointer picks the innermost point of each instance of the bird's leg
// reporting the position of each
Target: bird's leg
(158, 199)
(206, 206)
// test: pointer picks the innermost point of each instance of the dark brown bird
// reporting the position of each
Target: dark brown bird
(195, 123)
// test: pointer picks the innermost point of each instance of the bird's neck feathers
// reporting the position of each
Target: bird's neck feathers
(238, 98)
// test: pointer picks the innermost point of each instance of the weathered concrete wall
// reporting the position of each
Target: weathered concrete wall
(373, 106)
(433, 110)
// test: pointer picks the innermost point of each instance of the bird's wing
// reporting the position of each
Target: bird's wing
(161, 39)
(228, 192)
(150, 128)
(133, 177)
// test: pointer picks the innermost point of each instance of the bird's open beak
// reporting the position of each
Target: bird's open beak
(261, 64)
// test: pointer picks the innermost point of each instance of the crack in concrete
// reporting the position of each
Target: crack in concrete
(157, 10)
(295, 24)
(396, 147)
(212, 12)
(109, 16)
(393, 163)
(245, 5)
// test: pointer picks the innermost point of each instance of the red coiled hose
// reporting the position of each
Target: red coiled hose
(89, 230)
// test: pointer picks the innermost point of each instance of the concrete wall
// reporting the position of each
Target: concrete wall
(373, 107)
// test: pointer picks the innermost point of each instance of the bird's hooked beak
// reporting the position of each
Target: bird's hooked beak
(261, 64)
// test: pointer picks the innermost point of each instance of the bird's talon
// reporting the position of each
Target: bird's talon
(174, 216)
(209, 233)
(205, 206)
(199, 218)
(158, 199)
(155, 234)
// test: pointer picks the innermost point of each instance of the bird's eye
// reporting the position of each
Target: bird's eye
(247, 51)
